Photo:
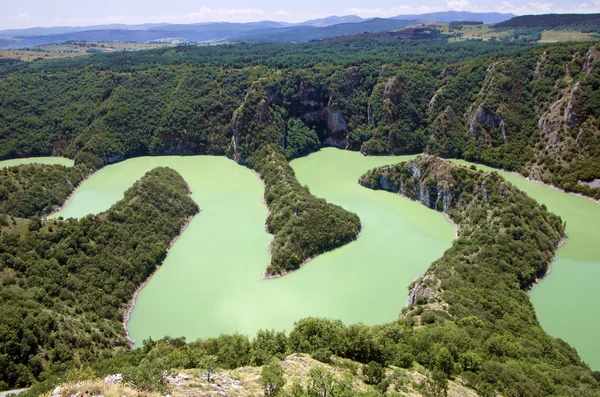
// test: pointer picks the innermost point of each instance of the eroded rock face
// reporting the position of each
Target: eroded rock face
(421, 291)
(570, 118)
(593, 184)
(483, 116)
(113, 379)
(436, 195)
(590, 58)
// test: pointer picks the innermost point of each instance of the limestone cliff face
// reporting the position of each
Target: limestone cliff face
(476, 203)
(256, 117)
(415, 181)
(564, 128)
(485, 116)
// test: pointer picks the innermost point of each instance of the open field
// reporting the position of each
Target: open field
(556, 36)
(29, 55)
(484, 32)
(74, 48)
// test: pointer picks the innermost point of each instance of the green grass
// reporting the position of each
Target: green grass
(555, 36)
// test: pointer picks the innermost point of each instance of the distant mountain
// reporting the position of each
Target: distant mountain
(450, 16)
(333, 20)
(247, 32)
(315, 29)
(41, 31)
(303, 34)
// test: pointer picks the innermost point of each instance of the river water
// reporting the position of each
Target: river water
(37, 160)
(210, 283)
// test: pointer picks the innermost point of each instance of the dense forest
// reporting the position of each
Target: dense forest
(522, 108)
(478, 287)
(37, 189)
(64, 283)
(580, 22)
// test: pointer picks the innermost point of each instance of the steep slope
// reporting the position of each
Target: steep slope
(64, 285)
(302, 225)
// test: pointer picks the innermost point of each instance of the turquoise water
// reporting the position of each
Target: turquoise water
(210, 282)
(37, 160)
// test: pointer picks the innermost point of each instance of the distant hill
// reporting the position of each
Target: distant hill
(303, 34)
(247, 32)
(333, 20)
(57, 30)
(450, 16)
(582, 22)
(262, 31)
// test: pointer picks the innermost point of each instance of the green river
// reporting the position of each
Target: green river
(210, 281)
(37, 160)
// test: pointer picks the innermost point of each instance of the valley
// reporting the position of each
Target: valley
(256, 201)
(202, 267)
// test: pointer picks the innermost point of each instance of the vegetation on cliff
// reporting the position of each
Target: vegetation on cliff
(302, 225)
(527, 109)
(64, 285)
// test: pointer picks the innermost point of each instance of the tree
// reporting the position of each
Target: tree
(444, 361)
(320, 382)
(147, 375)
(210, 365)
(437, 384)
(373, 373)
(271, 379)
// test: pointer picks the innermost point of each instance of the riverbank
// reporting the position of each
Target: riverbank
(553, 186)
(64, 204)
(538, 280)
(130, 306)
(456, 225)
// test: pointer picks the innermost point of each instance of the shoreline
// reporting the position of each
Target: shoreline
(538, 280)
(552, 186)
(456, 225)
(131, 304)
(264, 201)
(64, 204)
(266, 276)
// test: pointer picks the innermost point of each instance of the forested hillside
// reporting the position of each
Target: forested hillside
(580, 22)
(64, 284)
(527, 109)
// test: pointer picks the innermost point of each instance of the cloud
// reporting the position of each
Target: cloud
(390, 12)
(459, 5)
(21, 17)
(535, 7)
(206, 13)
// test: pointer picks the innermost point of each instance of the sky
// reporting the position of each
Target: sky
(29, 13)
